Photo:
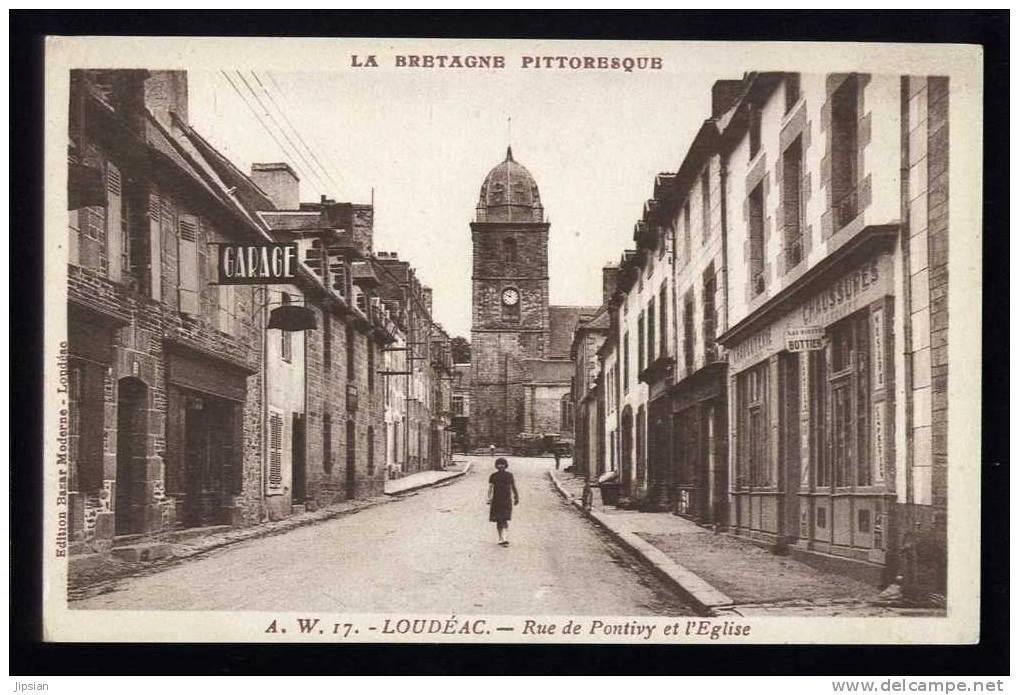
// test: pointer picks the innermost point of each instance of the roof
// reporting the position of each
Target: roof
(547, 371)
(562, 321)
(509, 194)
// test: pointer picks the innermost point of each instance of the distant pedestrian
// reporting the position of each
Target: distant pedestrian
(491, 449)
(556, 453)
(502, 496)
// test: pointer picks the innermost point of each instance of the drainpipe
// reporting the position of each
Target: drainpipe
(723, 175)
(905, 554)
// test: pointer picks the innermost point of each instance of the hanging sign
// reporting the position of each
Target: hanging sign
(257, 264)
(804, 338)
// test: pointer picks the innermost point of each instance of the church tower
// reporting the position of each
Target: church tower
(510, 314)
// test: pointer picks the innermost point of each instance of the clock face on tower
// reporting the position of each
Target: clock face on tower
(510, 296)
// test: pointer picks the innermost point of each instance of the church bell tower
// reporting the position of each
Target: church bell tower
(510, 316)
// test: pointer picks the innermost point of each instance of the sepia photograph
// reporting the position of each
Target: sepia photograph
(434, 340)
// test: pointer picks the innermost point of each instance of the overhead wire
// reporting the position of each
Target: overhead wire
(295, 130)
(311, 169)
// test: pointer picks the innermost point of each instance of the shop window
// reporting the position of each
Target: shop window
(845, 459)
(844, 137)
(706, 203)
(792, 90)
(863, 520)
(754, 464)
(792, 206)
(286, 337)
(821, 517)
(755, 224)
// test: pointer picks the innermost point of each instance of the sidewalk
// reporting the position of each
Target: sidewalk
(417, 481)
(723, 574)
(90, 573)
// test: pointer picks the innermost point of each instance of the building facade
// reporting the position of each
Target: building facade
(799, 399)
(187, 406)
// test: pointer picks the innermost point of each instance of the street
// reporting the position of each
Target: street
(432, 552)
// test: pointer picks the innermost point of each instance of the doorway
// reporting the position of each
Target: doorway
(351, 471)
(209, 458)
(297, 458)
(132, 440)
(626, 452)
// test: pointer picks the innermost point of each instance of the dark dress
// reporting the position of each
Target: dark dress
(504, 490)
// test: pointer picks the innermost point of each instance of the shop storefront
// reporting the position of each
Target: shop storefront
(810, 405)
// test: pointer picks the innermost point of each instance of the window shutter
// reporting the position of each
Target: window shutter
(114, 222)
(155, 259)
(275, 485)
(187, 264)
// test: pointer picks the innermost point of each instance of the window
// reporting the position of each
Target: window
(754, 466)
(651, 344)
(458, 406)
(371, 450)
(188, 291)
(74, 377)
(286, 337)
(792, 90)
(686, 231)
(626, 362)
(509, 249)
(755, 130)
(640, 343)
(275, 476)
(848, 394)
(706, 203)
(351, 337)
(708, 307)
(327, 339)
(844, 135)
(688, 335)
(755, 210)
(327, 443)
(663, 320)
(792, 209)
(371, 364)
(565, 414)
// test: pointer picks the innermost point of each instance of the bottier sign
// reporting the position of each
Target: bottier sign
(257, 264)
(804, 338)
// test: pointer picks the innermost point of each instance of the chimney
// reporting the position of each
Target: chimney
(166, 92)
(279, 182)
(609, 278)
(724, 94)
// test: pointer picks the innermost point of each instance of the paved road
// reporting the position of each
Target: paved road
(431, 552)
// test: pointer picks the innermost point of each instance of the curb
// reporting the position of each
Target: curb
(453, 476)
(703, 596)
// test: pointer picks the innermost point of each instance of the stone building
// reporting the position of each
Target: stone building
(164, 370)
(425, 364)
(588, 404)
(838, 252)
(461, 406)
(803, 384)
(520, 344)
(186, 409)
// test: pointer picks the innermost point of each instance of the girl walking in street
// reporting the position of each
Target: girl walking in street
(502, 495)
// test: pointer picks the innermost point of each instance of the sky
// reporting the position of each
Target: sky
(421, 142)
